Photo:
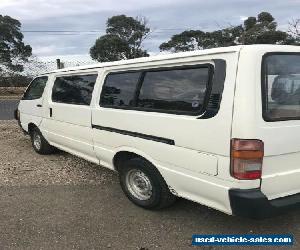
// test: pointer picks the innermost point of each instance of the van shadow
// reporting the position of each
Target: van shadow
(212, 221)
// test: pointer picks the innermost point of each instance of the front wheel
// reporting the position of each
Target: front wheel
(143, 184)
(39, 143)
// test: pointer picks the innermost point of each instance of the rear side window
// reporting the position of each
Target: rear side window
(181, 90)
(75, 89)
(36, 88)
(172, 90)
(119, 89)
(281, 86)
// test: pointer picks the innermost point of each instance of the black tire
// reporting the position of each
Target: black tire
(42, 146)
(159, 197)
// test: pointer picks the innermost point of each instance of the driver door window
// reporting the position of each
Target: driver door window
(36, 88)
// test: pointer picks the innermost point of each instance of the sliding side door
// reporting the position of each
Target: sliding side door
(68, 125)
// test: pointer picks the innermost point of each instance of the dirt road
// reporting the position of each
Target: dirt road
(7, 108)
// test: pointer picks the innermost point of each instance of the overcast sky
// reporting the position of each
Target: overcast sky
(166, 17)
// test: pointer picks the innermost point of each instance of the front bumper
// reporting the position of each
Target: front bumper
(16, 116)
(252, 203)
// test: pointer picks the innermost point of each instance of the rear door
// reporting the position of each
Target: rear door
(68, 124)
(280, 128)
(31, 105)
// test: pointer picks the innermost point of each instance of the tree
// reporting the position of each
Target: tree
(260, 30)
(294, 30)
(123, 40)
(186, 41)
(263, 30)
(224, 37)
(196, 39)
(13, 51)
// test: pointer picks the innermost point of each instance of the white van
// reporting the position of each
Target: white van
(220, 127)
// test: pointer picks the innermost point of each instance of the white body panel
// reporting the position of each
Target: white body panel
(281, 164)
(197, 167)
(32, 111)
(69, 127)
(29, 112)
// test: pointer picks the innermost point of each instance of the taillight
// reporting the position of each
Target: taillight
(246, 159)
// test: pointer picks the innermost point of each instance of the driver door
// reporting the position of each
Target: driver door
(31, 104)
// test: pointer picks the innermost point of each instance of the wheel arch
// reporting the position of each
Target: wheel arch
(31, 126)
(125, 153)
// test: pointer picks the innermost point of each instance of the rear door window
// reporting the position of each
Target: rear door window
(281, 86)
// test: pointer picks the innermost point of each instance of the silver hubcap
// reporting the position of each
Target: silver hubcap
(138, 184)
(37, 141)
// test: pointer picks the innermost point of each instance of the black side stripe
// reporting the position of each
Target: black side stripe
(135, 134)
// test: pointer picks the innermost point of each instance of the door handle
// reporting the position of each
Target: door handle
(50, 110)
(39, 105)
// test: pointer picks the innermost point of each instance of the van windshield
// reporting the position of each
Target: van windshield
(281, 86)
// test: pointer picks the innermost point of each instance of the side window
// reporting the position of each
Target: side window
(75, 89)
(281, 86)
(175, 90)
(119, 89)
(171, 90)
(36, 88)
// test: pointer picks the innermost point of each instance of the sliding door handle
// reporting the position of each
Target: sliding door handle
(50, 110)
(39, 105)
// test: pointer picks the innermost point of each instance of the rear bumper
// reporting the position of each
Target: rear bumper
(252, 203)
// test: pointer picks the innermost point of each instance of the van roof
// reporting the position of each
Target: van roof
(220, 50)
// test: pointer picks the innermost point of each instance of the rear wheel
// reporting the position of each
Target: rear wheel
(144, 185)
(39, 143)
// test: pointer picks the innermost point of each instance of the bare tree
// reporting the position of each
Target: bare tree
(294, 28)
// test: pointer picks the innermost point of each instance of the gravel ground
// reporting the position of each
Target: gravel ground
(21, 166)
(12, 91)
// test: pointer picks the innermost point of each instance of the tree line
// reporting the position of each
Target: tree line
(125, 37)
